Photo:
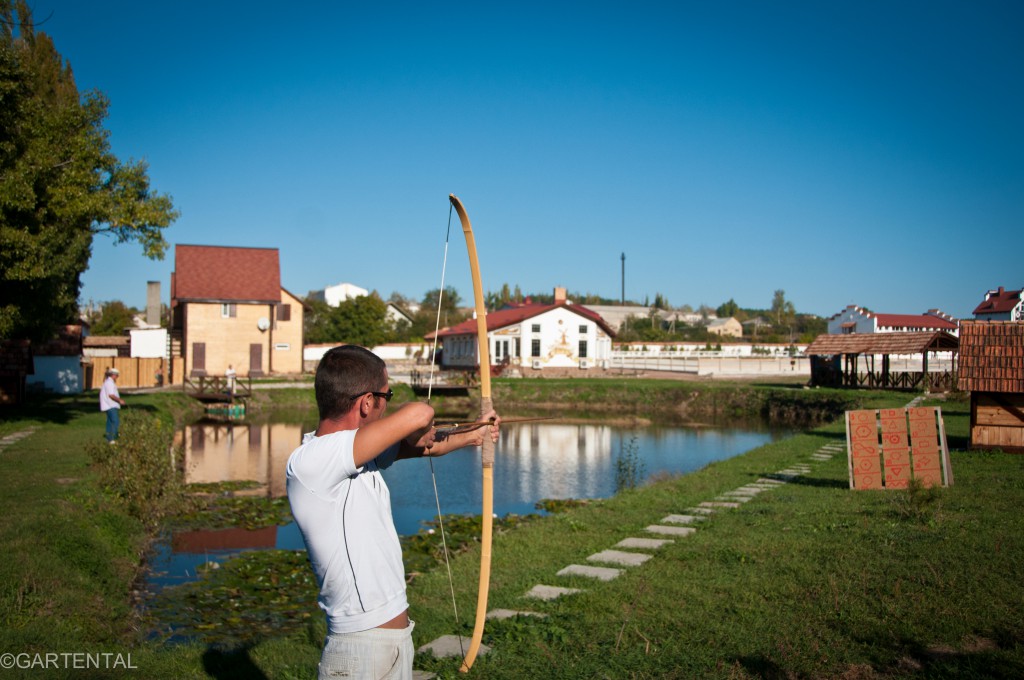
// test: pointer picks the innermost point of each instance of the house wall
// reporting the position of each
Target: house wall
(994, 421)
(227, 339)
(60, 374)
(864, 324)
(149, 343)
(287, 338)
(559, 337)
(729, 327)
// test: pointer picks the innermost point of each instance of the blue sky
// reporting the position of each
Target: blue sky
(866, 153)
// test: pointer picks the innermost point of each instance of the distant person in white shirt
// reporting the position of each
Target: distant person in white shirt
(230, 375)
(111, 403)
(343, 509)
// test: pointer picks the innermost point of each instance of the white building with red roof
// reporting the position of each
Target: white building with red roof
(229, 309)
(558, 335)
(1001, 305)
(855, 319)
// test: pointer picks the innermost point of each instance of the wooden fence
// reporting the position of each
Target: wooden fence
(136, 372)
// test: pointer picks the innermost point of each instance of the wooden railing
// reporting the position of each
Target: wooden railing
(218, 388)
(934, 381)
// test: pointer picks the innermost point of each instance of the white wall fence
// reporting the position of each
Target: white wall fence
(710, 364)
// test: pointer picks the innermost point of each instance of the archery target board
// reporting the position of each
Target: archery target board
(886, 448)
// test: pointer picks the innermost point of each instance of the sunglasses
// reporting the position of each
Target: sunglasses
(386, 396)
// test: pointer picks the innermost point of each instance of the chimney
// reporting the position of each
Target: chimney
(559, 295)
(153, 303)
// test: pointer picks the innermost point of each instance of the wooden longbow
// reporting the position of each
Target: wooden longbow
(487, 449)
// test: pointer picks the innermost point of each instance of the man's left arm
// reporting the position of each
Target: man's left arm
(426, 446)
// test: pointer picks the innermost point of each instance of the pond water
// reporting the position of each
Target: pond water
(532, 462)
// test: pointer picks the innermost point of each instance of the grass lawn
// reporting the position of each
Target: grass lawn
(807, 580)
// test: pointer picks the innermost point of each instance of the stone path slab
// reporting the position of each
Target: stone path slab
(550, 592)
(719, 504)
(684, 519)
(626, 559)
(449, 645)
(600, 573)
(15, 437)
(512, 613)
(670, 531)
(702, 511)
(643, 543)
(734, 499)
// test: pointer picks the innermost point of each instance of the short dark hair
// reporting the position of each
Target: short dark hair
(344, 374)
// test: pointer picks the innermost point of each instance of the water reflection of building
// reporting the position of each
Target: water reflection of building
(228, 452)
(557, 461)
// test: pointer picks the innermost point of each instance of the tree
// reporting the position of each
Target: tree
(113, 319)
(60, 185)
(727, 309)
(782, 309)
(361, 320)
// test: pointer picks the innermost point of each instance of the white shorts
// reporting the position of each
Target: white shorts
(378, 653)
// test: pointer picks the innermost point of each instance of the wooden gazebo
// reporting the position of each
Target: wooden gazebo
(849, 360)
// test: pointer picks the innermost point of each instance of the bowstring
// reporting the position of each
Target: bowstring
(430, 389)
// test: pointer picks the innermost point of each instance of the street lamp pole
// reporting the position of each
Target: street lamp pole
(623, 299)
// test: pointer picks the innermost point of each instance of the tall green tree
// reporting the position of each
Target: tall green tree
(782, 309)
(60, 185)
(114, 317)
(727, 309)
(361, 320)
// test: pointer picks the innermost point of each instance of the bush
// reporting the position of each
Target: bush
(139, 469)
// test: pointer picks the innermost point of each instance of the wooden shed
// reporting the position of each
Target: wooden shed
(850, 360)
(992, 369)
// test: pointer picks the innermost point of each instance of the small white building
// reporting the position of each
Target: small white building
(729, 327)
(558, 335)
(1001, 305)
(855, 319)
(335, 295)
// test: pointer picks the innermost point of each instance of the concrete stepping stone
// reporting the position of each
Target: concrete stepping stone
(733, 499)
(643, 543)
(770, 482)
(670, 531)
(751, 490)
(449, 645)
(702, 511)
(684, 519)
(600, 573)
(499, 614)
(550, 592)
(719, 504)
(625, 559)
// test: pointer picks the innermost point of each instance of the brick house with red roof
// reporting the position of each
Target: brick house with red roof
(558, 335)
(228, 308)
(856, 319)
(1001, 305)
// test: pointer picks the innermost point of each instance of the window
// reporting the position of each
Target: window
(583, 329)
(535, 328)
(583, 349)
(284, 312)
(282, 346)
(228, 310)
(535, 348)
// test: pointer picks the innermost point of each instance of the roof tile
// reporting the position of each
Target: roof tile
(226, 273)
(991, 356)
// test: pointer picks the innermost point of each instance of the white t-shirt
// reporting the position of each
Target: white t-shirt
(344, 514)
(107, 392)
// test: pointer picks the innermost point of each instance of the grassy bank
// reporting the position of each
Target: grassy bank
(810, 580)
